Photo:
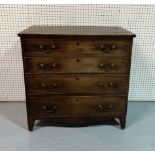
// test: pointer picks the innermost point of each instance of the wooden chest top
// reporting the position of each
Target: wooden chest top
(76, 31)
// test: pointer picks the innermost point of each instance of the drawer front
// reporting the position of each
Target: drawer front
(75, 106)
(42, 65)
(76, 84)
(104, 47)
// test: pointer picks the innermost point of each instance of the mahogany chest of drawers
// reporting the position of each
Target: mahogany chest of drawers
(76, 75)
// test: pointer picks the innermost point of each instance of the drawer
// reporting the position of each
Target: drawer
(120, 47)
(47, 65)
(64, 84)
(75, 106)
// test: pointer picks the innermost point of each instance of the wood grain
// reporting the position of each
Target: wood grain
(93, 64)
(75, 106)
(76, 75)
(104, 47)
(79, 83)
(76, 30)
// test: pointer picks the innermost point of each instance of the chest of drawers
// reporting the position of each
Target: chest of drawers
(76, 75)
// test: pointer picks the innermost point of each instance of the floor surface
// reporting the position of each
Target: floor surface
(138, 135)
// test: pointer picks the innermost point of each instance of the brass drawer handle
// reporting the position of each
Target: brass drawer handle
(49, 109)
(47, 66)
(102, 47)
(105, 86)
(107, 66)
(105, 107)
(47, 47)
(107, 48)
(42, 47)
(49, 86)
(113, 47)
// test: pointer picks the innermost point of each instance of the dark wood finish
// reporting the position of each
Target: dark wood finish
(104, 47)
(76, 83)
(31, 122)
(75, 31)
(44, 65)
(76, 106)
(123, 121)
(76, 75)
